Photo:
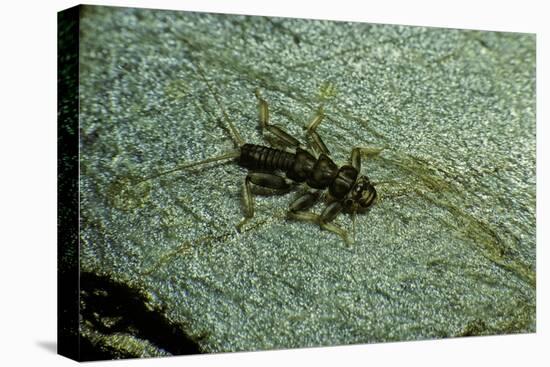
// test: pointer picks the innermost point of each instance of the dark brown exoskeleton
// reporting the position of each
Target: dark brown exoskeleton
(348, 191)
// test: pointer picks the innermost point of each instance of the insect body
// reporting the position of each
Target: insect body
(343, 187)
(319, 173)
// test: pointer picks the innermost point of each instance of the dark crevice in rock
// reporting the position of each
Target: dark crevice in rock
(112, 307)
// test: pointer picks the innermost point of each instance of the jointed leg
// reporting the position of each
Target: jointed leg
(316, 141)
(266, 180)
(328, 215)
(248, 201)
(299, 208)
(355, 158)
(298, 211)
(304, 202)
(282, 135)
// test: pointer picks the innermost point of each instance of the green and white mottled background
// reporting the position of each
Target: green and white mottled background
(448, 250)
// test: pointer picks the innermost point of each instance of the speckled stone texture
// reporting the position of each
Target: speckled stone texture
(448, 250)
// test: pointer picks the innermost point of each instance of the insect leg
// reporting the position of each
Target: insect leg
(298, 211)
(261, 179)
(356, 159)
(248, 201)
(298, 208)
(287, 139)
(315, 140)
(356, 152)
(304, 202)
(328, 215)
(268, 180)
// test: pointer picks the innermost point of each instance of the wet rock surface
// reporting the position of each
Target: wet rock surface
(448, 250)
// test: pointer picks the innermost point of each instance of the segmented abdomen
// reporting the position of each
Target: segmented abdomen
(265, 158)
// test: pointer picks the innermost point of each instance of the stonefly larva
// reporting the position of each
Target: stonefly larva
(343, 188)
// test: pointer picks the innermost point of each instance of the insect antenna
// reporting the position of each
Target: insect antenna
(235, 135)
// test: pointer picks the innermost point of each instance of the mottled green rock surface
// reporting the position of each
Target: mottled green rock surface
(448, 250)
